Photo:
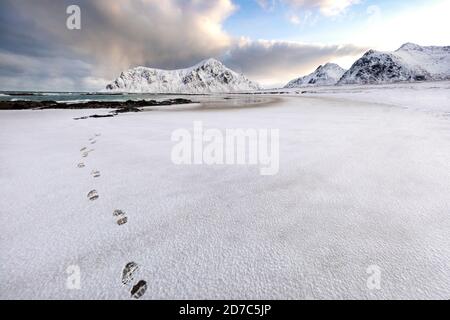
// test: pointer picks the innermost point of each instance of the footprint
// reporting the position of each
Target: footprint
(93, 195)
(95, 174)
(81, 165)
(128, 272)
(93, 141)
(139, 289)
(98, 134)
(121, 217)
(83, 149)
(86, 153)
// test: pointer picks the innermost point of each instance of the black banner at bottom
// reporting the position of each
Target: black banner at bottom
(247, 309)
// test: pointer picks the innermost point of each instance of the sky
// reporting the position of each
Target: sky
(270, 41)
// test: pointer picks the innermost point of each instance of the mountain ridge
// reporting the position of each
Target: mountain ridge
(207, 76)
(411, 62)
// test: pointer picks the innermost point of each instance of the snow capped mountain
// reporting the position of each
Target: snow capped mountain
(326, 75)
(209, 76)
(409, 63)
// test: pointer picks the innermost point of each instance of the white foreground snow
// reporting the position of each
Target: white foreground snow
(360, 184)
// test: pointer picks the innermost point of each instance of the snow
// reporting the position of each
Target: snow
(430, 97)
(326, 75)
(410, 62)
(432, 60)
(362, 182)
(209, 76)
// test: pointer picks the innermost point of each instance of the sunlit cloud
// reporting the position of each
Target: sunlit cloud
(117, 35)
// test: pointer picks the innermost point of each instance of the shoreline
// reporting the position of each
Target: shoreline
(120, 106)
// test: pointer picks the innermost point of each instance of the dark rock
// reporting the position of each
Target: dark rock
(120, 106)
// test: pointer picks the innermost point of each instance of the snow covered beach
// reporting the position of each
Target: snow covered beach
(364, 181)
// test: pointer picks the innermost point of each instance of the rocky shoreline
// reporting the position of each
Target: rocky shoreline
(119, 106)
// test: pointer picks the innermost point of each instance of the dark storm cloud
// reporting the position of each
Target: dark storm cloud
(115, 35)
(18, 34)
(31, 56)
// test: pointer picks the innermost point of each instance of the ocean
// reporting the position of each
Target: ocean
(80, 97)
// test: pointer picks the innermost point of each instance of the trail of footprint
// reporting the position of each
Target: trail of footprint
(128, 275)
(121, 217)
(130, 270)
(93, 195)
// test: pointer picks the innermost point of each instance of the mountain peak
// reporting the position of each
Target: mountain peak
(410, 46)
(329, 65)
(324, 75)
(210, 62)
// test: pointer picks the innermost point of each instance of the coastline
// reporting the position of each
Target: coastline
(130, 105)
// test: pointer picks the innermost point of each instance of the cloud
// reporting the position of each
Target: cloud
(277, 62)
(374, 13)
(116, 35)
(37, 51)
(424, 24)
(294, 19)
(23, 72)
(126, 32)
(326, 7)
(267, 4)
